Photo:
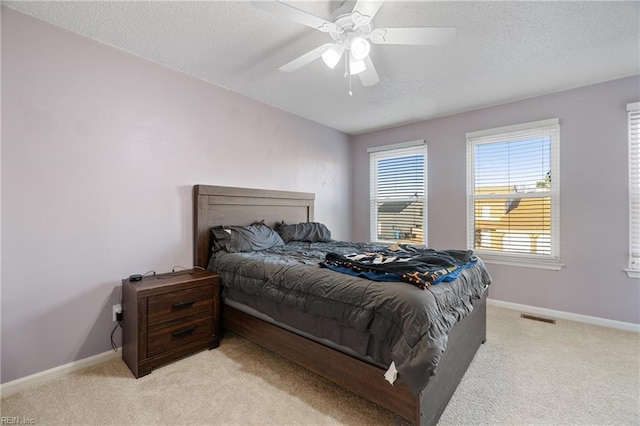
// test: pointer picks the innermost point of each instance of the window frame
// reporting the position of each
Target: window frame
(633, 116)
(387, 151)
(506, 134)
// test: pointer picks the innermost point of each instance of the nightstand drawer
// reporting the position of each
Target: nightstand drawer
(178, 304)
(168, 336)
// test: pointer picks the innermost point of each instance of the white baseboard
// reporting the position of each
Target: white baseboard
(620, 325)
(14, 386)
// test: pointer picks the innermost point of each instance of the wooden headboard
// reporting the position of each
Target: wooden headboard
(224, 205)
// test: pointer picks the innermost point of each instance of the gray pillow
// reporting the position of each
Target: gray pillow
(305, 231)
(235, 239)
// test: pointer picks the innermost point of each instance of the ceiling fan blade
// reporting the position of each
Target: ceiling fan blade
(426, 36)
(295, 14)
(365, 10)
(369, 77)
(306, 58)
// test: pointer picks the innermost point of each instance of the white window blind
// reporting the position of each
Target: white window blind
(514, 194)
(634, 186)
(398, 201)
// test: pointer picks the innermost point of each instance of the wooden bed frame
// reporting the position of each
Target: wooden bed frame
(218, 205)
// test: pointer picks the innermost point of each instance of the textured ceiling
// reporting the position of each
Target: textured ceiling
(504, 51)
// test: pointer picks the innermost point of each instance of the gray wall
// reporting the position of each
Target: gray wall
(100, 150)
(594, 196)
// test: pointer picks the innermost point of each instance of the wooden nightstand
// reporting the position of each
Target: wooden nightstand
(169, 316)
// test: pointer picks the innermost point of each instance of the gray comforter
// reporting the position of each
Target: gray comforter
(384, 321)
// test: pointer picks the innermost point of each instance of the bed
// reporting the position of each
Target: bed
(217, 205)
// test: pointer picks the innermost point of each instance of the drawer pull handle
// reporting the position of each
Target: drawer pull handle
(183, 331)
(183, 304)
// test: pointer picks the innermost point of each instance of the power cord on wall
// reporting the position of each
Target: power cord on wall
(119, 318)
(120, 323)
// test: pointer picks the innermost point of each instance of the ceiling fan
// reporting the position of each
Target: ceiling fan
(351, 33)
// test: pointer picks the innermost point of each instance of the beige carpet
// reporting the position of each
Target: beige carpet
(527, 372)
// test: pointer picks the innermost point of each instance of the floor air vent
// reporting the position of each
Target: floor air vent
(537, 318)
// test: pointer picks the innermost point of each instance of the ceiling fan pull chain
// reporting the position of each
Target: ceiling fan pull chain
(347, 67)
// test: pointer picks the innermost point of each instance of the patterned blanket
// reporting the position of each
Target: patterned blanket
(421, 267)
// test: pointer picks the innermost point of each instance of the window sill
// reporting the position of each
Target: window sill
(524, 263)
(633, 273)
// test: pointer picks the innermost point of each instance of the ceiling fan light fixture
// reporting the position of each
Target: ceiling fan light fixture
(360, 48)
(356, 66)
(332, 55)
(352, 34)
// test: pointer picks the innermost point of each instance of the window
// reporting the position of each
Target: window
(513, 193)
(399, 192)
(634, 189)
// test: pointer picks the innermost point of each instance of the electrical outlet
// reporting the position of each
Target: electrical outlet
(116, 309)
